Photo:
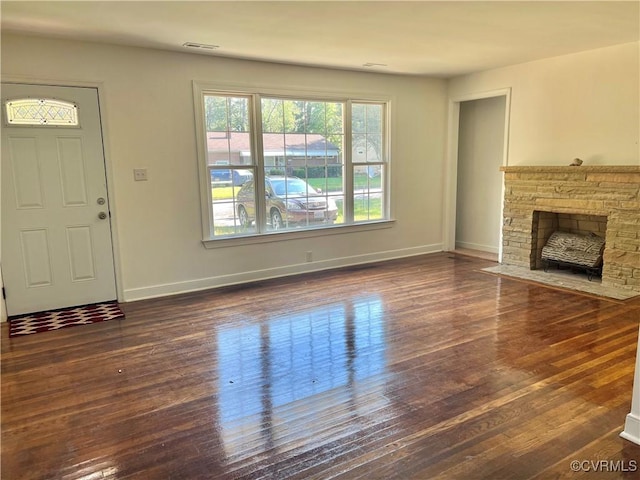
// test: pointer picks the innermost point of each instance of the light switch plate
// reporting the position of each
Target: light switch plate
(140, 174)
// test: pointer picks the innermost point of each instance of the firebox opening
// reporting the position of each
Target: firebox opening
(546, 223)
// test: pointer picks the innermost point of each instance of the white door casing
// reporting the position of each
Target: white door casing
(56, 248)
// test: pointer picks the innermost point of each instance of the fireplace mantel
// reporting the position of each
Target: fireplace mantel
(567, 169)
(611, 191)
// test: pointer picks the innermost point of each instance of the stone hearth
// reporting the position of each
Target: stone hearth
(600, 194)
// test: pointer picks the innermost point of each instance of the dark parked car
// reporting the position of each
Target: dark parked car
(290, 201)
(240, 176)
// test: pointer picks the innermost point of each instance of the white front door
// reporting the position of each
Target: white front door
(56, 232)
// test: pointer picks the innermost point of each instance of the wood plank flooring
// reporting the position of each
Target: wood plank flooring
(423, 368)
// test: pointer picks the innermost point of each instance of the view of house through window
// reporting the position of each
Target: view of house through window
(288, 169)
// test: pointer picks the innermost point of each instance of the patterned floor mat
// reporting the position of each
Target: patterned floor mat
(67, 317)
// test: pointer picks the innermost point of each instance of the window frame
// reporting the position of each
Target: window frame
(201, 89)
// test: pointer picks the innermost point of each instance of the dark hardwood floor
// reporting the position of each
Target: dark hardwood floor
(422, 368)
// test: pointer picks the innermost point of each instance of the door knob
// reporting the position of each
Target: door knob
(102, 215)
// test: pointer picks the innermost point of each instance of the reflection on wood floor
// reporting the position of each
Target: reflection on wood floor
(417, 368)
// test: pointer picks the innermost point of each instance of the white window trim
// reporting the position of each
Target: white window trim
(209, 240)
(310, 232)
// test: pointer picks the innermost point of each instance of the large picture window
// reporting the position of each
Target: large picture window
(273, 163)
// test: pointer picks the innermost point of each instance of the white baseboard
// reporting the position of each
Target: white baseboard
(477, 246)
(632, 429)
(167, 289)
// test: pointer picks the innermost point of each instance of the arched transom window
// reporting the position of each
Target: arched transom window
(41, 111)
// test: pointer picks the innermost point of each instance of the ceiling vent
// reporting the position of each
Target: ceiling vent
(202, 46)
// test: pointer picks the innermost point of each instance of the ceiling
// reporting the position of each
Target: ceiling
(442, 39)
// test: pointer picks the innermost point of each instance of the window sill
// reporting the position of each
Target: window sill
(238, 240)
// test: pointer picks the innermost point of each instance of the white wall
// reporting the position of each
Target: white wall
(581, 105)
(147, 102)
(479, 189)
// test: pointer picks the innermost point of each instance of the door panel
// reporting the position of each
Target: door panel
(36, 257)
(72, 172)
(26, 172)
(56, 247)
(80, 246)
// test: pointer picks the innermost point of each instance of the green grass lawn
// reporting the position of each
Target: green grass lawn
(324, 184)
(223, 193)
(335, 184)
(362, 210)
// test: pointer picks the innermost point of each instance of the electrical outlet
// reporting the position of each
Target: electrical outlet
(309, 256)
(140, 174)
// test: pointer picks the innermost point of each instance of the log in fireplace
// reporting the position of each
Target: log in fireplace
(573, 250)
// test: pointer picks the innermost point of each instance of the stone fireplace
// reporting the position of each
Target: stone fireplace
(588, 199)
